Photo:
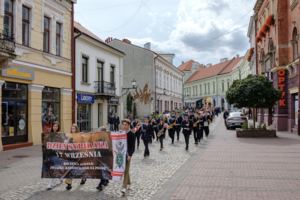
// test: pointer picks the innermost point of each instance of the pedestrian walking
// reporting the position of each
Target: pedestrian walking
(207, 121)
(196, 124)
(161, 132)
(171, 129)
(187, 126)
(116, 122)
(178, 124)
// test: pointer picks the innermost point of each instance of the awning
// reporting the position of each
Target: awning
(192, 100)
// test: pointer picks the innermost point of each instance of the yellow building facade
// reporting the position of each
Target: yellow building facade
(36, 78)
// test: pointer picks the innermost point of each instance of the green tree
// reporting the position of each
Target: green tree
(255, 91)
(134, 111)
(129, 102)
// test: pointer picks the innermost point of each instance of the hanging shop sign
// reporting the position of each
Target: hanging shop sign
(281, 85)
(20, 73)
(85, 98)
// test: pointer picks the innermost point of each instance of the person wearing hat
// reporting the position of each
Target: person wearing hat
(197, 120)
(156, 122)
(178, 124)
(160, 127)
(206, 120)
(191, 116)
(172, 130)
(152, 122)
(138, 132)
(147, 133)
(187, 126)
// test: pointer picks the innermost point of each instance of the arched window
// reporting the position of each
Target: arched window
(196, 90)
(295, 43)
(222, 86)
(228, 85)
(160, 85)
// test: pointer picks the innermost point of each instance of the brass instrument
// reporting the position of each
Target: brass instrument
(171, 126)
(136, 127)
(160, 132)
(195, 124)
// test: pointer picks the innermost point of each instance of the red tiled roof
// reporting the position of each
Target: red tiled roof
(207, 72)
(231, 65)
(187, 65)
(82, 29)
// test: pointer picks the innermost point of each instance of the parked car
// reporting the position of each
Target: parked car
(235, 119)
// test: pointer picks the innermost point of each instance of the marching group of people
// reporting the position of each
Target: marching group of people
(194, 121)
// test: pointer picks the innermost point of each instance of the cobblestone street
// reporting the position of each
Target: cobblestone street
(148, 175)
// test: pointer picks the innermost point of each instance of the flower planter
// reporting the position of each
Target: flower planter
(256, 133)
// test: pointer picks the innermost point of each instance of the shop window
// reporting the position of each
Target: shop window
(50, 107)
(25, 26)
(84, 117)
(46, 36)
(8, 18)
(58, 39)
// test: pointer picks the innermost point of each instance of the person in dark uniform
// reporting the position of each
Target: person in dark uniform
(191, 116)
(206, 120)
(196, 120)
(135, 124)
(116, 122)
(187, 126)
(178, 124)
(156, 122)
(201, 127)
(147, 134)
(152, 122)
(172, 130)
(130, 150)
(160, 128)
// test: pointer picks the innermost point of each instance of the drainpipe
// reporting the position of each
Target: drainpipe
(254, 113)
(73, 63)
(155, 82)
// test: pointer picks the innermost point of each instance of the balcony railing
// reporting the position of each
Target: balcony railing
(103, 87)
(7, 41)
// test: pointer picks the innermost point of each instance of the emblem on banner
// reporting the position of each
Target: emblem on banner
(119, 155)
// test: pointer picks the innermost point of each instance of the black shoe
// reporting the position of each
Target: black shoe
(105, 183)
(137, 147)
(99, 187)
(82, 182)
(69, 187)
(196, 142)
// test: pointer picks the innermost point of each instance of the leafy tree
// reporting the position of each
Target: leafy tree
(134, 111)
(255, 91)
(129, 102)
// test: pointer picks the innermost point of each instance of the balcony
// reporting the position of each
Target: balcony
(104, 90)
(7, 49)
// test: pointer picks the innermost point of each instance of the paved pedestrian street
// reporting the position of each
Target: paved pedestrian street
(21, 180)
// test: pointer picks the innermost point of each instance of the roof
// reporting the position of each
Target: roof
(208, 72)
(82, 29)
(187, 65)
(231, 65)
(163, 53)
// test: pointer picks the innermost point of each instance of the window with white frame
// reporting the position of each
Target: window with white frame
(222, 86)
(196, 90)
(8, 17)
(46, 37)
(228, 85)
(167, 83)
(156, 79)
(205, 88)
(171, 85)
(200, 88)
(208, 86)
(214, 87)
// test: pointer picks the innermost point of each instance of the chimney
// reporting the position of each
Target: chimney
(108, 40)
(223, 60)
(237, 55)
(182, 62)
(208, 65)
(126, 41)
(147, 46)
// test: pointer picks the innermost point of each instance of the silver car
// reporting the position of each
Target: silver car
(235, 119)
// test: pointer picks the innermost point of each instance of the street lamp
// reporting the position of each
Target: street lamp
(133, 82)
(164, 93)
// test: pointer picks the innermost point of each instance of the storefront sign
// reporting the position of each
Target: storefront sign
(113, 100)
(281, 85)
(204, 98)
(16, 72)
(21, 124)
(84, 98)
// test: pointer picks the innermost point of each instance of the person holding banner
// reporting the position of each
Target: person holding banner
(74, 129)
(54, 129)
(147, 134)
(161, 129)
(130, 150)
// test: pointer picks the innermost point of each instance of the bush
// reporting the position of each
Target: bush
(259, 127)
(245, 126)
(251, 126)
(264, 127)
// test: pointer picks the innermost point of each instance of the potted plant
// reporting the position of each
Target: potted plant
(265, 28)
(261, 34)
(270, 20)
(257, 39)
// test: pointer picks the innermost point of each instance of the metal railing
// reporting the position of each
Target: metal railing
(7, 41)
(103, 87)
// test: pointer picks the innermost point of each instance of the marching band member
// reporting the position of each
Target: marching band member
(172, 130)
(157, 122)
(178, 124)
(187, 126)
(152, 122)
(191, 116)
(196, 120)
(138, 132)
(130, 150)
(206, 120)
(160, 127)
(147, 133)
(201, 127)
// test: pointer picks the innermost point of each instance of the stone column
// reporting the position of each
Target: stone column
(1, 83)
(65, 109)
(35, 113)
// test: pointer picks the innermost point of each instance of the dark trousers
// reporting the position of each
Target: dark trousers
(206, 130)
(196, 136)
(161, 139)
(187, 139)
(147, 152)
(178, 133)
(156, 132)
(200, 134)
(138, 135)
(116, 127)
(172, 134)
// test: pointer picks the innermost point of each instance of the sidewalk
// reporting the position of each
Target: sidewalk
(239, 168)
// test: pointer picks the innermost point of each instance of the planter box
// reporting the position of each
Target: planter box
(256, 133)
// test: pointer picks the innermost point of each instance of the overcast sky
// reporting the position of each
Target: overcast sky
(202, 30)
